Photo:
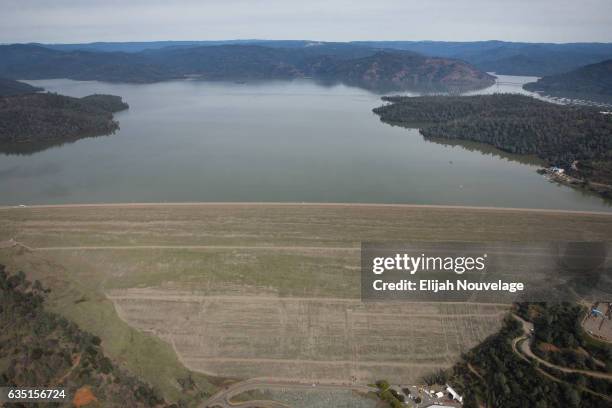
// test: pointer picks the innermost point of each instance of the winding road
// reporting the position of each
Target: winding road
(524, 350)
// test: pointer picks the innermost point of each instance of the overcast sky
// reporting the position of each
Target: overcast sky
(73, 21)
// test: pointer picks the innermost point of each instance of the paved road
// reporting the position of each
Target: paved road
(222, 399)
(524, 350)
(519, 348)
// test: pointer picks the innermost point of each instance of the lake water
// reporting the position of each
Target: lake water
(290, 141)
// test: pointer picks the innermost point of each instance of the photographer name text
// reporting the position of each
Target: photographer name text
(435, 286)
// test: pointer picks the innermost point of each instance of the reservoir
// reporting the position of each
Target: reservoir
(279, 141)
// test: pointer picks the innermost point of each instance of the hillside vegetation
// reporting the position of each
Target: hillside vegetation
(30, 119)
(509, 58)
(10, 87)
(389, 70)
(501, 57)
(361, 66)
(591, 79)
(577, 139)
(42, 349)
(492, 374)
(559, 337)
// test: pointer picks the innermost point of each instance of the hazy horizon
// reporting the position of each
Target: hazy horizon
(297, 39)
(71, 21)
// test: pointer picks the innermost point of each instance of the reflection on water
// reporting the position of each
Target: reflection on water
(391, 87)
(288, 141)
(26, 149)
(489, 150)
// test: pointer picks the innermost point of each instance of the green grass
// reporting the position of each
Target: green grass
(287, 274)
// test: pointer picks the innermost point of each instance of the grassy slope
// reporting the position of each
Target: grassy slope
(82, 303)
(79, 279)
(42, 348)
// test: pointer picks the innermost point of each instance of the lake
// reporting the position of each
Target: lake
(279, 141)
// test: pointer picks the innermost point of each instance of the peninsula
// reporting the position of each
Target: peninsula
(576, 141)
(29, 120)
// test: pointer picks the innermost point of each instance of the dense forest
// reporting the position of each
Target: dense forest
(32, 119)
(493, 375)
(361, 66)
(40, 348)
(9, 87)
(594, 79)
(577, 139)
(559, 337)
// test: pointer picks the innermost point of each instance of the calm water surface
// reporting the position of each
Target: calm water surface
(272, 141)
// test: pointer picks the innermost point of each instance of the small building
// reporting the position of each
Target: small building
(557, 170)
(439, 394)
(454, 394)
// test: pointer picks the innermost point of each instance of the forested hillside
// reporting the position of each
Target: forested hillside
(42, 349)
(591, 79)
(387, 71)
(509, 58)
(493, 374)
(559, 338)
(10, 87)
(501, 57)
(31, 119)
(577, 139)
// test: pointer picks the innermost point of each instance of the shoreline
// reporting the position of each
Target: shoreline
(305, 204)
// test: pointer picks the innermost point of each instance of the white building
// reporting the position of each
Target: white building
(452, 392)
(558, 170)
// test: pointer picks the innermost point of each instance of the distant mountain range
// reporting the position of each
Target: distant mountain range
(506, 58)
(24, 61)
(594, 79)
(510, 58)
(381, 65)
(355, 64)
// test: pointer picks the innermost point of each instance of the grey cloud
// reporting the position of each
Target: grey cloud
(331, 20)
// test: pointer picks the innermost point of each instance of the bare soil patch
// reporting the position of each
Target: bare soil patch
(308, 339)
